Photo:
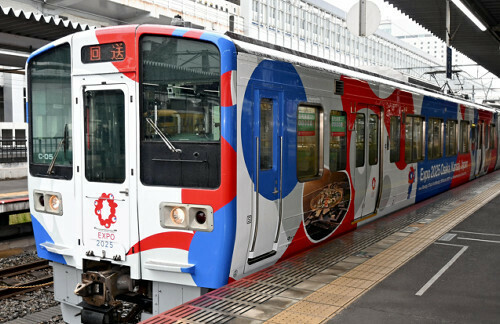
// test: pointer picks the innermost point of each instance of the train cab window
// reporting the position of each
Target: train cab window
(414, 139)
(49, 97)
(451, 137)
(360, 140)
(395, 138)
(434, 138)
(266, 134)
(338, 140)
(373, 140)
(180, 114)
(464, 136)
(309, 142)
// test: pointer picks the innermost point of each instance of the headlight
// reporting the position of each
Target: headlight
(187, 217)
(54, 203)
(48, 202)
(177, 215)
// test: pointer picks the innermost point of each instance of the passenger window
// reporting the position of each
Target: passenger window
(486, 136)
(414, 126)
(360, 140)
(395, 138)
(451, 137)
(464, 136)
(492, 136)
(266, 134)
(309, 142)
(434, 146)
(373, 140)
(338, 141)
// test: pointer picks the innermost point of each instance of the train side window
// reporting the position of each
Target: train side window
(360, 140)
(434, 138)
(373, 140)
(464, 136)
(492, 136)
(414, 131)
(338, 140)
(395, 138)
(486, 136)
(309, 142)
(451, 137)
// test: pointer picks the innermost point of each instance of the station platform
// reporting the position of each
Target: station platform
(13, 198)
(436, 261)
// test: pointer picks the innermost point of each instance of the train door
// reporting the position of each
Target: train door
(367, 159)
(268, 162)
(107, 171)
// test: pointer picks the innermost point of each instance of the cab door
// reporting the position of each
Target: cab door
(367, 160)
(267, 198)
(109, 215)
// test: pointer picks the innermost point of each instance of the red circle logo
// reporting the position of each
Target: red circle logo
(374, 182)
(99, 203)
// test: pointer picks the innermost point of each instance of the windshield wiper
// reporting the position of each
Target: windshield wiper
(61, 143)
(163, 137)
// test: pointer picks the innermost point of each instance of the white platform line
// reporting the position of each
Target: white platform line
(473, 239)
(475, 233)
(449, 244)
(440, 272)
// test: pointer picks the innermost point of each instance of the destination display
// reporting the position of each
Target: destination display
(103, 53)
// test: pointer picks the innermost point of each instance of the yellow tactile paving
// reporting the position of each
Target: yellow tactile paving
(351, 285)
(13, 194)
(296, 318)
(316, 309)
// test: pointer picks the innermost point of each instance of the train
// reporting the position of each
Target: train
(166, 161)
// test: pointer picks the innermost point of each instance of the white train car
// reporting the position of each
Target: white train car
(166, 161)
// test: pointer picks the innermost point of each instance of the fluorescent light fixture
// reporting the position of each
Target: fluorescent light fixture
(469, 14)
(12, 53)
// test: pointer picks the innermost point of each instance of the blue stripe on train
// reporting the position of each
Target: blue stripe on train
(42, 236)
(435, 176)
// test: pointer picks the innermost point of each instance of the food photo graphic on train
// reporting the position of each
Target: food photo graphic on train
(166, 161)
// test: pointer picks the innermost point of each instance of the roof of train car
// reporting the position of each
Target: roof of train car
(249, 45)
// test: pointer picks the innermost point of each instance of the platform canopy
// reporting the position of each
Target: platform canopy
(23, 32)
(481, 46)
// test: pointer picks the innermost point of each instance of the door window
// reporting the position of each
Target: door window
(373, 140)
(266, 134)
(105, 136)
(360, 140)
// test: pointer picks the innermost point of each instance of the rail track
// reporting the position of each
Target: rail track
(24, 278)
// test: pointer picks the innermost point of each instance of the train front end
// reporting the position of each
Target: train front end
(132, 168)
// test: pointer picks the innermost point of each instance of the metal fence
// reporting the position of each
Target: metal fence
(13, 150)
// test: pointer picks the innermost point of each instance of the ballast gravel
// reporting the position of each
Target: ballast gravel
(32, 302)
